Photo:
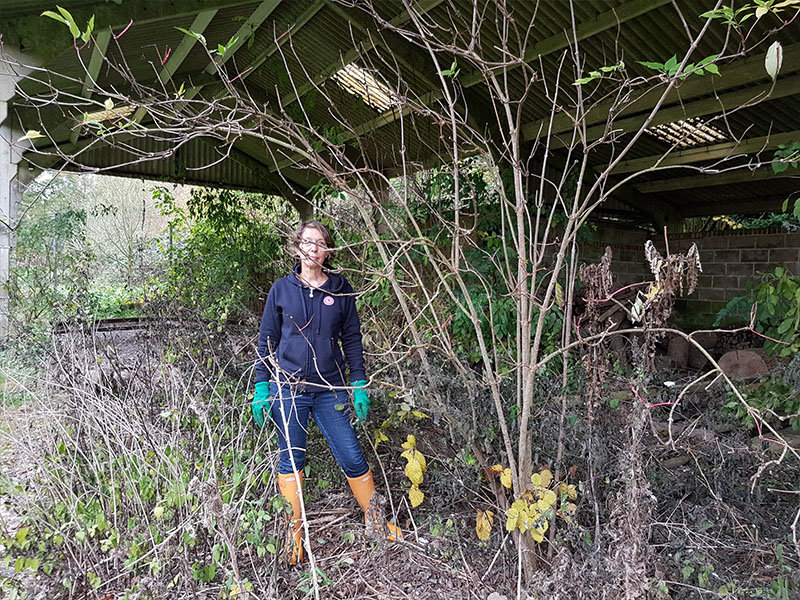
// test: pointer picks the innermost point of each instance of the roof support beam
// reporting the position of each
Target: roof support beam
(742, 175)
(363, 47)
(560, 41)
(248, 28)
(92, 71)
(745, 72)
(708, 106)
(296, 197)
(175, 60)
(262, 57)
(747, 206)
(550, 45)
(46, 38)
(707, 153)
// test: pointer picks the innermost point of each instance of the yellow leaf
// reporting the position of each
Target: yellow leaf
(414, 472)
(415, 496)
(537, 537)
(652, 291)
(415, 456)
(542, 505)
(31, 134)
(410, 442)
(483, 524)
(512, 519)
(380, 436)
(520, 515)
(421, 459)
(569, 490)
(569, 511)
(546, 477)
(549, 496)
(536, 479)
(505, 478)
(496, 469)
(519, 505)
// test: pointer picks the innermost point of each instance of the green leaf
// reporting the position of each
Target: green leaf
(21, 535)
(672, 63)
(785, 326)
(652, 65)
(712, 68)
(73, 26)
(56, 16)
(32, 564)
(89, 28)
(198, 36)
(707, 60)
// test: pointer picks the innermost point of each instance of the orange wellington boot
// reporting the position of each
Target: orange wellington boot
(363, 487)
(291, 486)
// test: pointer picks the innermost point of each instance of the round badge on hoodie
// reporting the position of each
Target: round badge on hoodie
(328, 300)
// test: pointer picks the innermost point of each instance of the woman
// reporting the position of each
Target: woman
(309, 319)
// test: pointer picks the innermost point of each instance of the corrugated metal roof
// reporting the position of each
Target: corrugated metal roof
(314, 36)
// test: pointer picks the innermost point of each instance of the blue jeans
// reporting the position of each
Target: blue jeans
(292, 408)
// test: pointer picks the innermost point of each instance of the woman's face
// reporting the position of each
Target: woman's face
(313, 248)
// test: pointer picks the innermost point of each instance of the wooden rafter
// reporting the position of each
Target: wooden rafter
(719, 105)
(363, 47)
(744, 73)
(712, 179)
(198, 26)
(550, 45)
(93, 70)
(708, 153)
(248, 28)
(262, 56)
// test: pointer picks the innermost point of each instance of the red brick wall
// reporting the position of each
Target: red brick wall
(729, 260)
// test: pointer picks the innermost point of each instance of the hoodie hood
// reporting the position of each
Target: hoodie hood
(334, 285)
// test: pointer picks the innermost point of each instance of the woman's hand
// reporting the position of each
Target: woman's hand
(360, 399)
(262, 403)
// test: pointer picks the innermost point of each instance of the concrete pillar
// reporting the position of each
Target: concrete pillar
(13, 178)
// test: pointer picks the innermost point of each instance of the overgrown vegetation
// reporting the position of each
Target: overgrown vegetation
(604, 480)
(772, 307)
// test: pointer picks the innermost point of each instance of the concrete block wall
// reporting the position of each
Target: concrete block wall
(729, 259)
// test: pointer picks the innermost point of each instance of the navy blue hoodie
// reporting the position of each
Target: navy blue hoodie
(303, 328)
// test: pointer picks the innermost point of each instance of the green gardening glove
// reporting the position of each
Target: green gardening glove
(261, 403)
(360, 399)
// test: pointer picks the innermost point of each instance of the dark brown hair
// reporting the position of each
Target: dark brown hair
(294, 248)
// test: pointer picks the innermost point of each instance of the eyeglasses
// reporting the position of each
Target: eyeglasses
(320, 244)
